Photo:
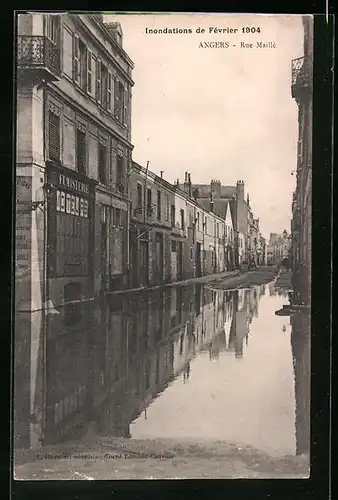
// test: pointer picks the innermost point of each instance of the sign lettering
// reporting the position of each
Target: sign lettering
(66, 181)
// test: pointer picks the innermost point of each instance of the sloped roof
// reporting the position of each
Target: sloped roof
(204, 190)
(231, 205)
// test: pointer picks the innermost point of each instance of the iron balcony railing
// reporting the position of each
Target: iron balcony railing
(301, 71)
(38, 52)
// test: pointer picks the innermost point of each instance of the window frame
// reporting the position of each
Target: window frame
(90, 72)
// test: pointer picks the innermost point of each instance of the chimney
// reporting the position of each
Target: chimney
(215, 186)
(189, 183)
(240, 190)
(161, 174)
(186, 183)
(248, 200)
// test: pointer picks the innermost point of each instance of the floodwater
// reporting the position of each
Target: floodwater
(182, 362)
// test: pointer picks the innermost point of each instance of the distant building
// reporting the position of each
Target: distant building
(279, 248)
(216, 197)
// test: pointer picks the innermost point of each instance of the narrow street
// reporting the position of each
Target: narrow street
(197, 380)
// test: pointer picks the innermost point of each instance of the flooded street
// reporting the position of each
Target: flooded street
(234, 377)
(177, 365)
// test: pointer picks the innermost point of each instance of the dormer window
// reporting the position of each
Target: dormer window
(119, 38)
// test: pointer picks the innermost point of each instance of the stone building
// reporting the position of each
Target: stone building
(216, 198)
(301, 91)
(152, 221)
(73, 152)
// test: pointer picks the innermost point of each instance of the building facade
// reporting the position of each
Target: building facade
(74, 90)
(301, 91)
(279, 248)
(72, 160)
(216, 198)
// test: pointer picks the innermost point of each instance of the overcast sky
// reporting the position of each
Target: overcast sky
(218, 113)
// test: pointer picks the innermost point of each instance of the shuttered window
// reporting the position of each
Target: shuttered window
(116, 99)
(76, 52)
(53, 136)
(102, 164)
(98, 81)
(109, 91)
(89, 72)
(120, 174)
(125, 107)
(81, 151)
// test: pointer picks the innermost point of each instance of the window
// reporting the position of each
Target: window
(217, 230)
(118, 217)
(226, 231)
(149, 202)
(83, 66)
(125, 107)
(172, 215)
(53, 28)
(205, 226)
(53, 136)
(80, 62)
(98, 81)
(109, 91)
(167, 210)
(89, 72)
(139, 197)
(120, 174)
(158, 205)
(102, 164)
(198, 221)
(81, 151)
(104, 86)
(182, 218)
(119, 105)
(173, 245)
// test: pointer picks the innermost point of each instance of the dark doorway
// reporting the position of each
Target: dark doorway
(143, 262)
(104, 270)
(159, 258)
(198, 261)
(180, 261)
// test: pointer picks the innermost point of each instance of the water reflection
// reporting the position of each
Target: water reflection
(180, 362)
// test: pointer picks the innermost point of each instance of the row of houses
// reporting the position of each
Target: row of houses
(89, 219)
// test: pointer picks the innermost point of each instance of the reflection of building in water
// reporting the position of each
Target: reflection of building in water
(106, 362)
(272, 289)
(300, 341)
(240, 324)
(207, 330)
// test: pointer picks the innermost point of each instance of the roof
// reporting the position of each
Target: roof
(205, 189)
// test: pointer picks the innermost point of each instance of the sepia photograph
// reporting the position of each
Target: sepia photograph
(162, 246)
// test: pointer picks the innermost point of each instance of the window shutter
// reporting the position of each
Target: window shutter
(109, 91)
(116, 98)
(76, 52)
(89, 72)
(125, 107)
(98, 81)
(54, 136)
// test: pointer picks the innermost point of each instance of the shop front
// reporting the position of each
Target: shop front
(70, 237)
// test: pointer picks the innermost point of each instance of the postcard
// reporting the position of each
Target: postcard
(163, 246)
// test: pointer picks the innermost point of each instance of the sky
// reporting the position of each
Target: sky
(218, 113)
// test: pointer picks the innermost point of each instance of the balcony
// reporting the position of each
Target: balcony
(38, 58)
(301, 76)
